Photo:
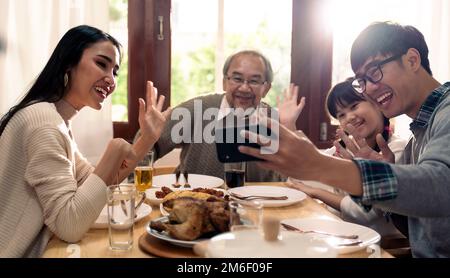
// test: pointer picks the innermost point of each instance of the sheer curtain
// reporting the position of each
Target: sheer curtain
(431, 17)
(31, 30)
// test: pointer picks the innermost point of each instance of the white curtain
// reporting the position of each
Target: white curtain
(32, 29)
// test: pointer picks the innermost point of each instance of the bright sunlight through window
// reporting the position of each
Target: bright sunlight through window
(348, 18)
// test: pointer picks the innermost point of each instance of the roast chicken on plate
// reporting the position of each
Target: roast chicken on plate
(194, 215)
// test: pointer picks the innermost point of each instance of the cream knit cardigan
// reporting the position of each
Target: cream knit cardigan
(46, 186)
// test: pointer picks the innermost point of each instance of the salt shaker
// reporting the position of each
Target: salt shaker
(271, 228)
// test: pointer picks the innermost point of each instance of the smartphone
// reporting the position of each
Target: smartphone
(227, 151)
(341, 142)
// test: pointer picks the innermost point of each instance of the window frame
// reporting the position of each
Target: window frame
(311, 63)
(311, 68)
(148, 59)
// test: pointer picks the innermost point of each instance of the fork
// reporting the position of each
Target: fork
(292, 228)
(141, 201)
(352, 243)
(124, 209)
(186, 183)
(253, 197)
(122, 202)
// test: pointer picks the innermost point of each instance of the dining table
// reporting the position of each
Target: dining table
(94, 244)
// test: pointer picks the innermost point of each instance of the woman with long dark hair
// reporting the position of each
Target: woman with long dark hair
(46, 185)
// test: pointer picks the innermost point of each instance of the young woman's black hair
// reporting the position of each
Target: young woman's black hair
(49, 85)
(343, 95)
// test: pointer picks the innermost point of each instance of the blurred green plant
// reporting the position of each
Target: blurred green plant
(193, 74)
(276, 47)
(118, 13)
(120, 95)
(116, 10)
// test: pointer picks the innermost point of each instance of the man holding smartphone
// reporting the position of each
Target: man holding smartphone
(392, 70)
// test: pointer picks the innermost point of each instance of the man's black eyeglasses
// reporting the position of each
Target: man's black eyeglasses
(374, 74)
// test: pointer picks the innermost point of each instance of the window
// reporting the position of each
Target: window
(313, 65)
(309, 62)
(118, 27)
(407, 12)
(200, 44)
(148, 57)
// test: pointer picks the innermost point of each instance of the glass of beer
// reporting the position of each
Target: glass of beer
(234, 174)
(143, 173)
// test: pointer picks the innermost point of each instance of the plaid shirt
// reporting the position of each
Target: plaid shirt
(378, 179)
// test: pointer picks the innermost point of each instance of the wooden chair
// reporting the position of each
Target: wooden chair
(397, 246)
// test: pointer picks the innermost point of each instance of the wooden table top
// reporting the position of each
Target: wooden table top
(94, 244)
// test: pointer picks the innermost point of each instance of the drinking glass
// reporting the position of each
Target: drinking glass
(234, 174)
(245, 215)
(143, 173)
(121, 206)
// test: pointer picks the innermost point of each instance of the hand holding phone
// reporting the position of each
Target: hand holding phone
(229, 139)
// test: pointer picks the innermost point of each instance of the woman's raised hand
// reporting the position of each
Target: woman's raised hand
(290, 108)
(152, 118)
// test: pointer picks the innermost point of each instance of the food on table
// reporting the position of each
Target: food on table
(166, 190)
(191, 218)
(171, 197)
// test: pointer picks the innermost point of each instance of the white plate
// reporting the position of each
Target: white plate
(165, 236)
(194, 180)
(366, 235)
(251, 244)
(151, 197)
(102, 220)
(294, 196)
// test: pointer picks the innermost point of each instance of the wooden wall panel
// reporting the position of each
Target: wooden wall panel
(311, 66)
(148, 58)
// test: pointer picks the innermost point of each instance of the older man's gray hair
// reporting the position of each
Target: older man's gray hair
(268, 75)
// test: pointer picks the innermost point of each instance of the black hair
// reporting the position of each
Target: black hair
(343, 95)
(49, 85)
(383, 38)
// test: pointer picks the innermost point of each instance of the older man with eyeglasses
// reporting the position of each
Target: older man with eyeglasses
(392, 70)
(247, 78)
